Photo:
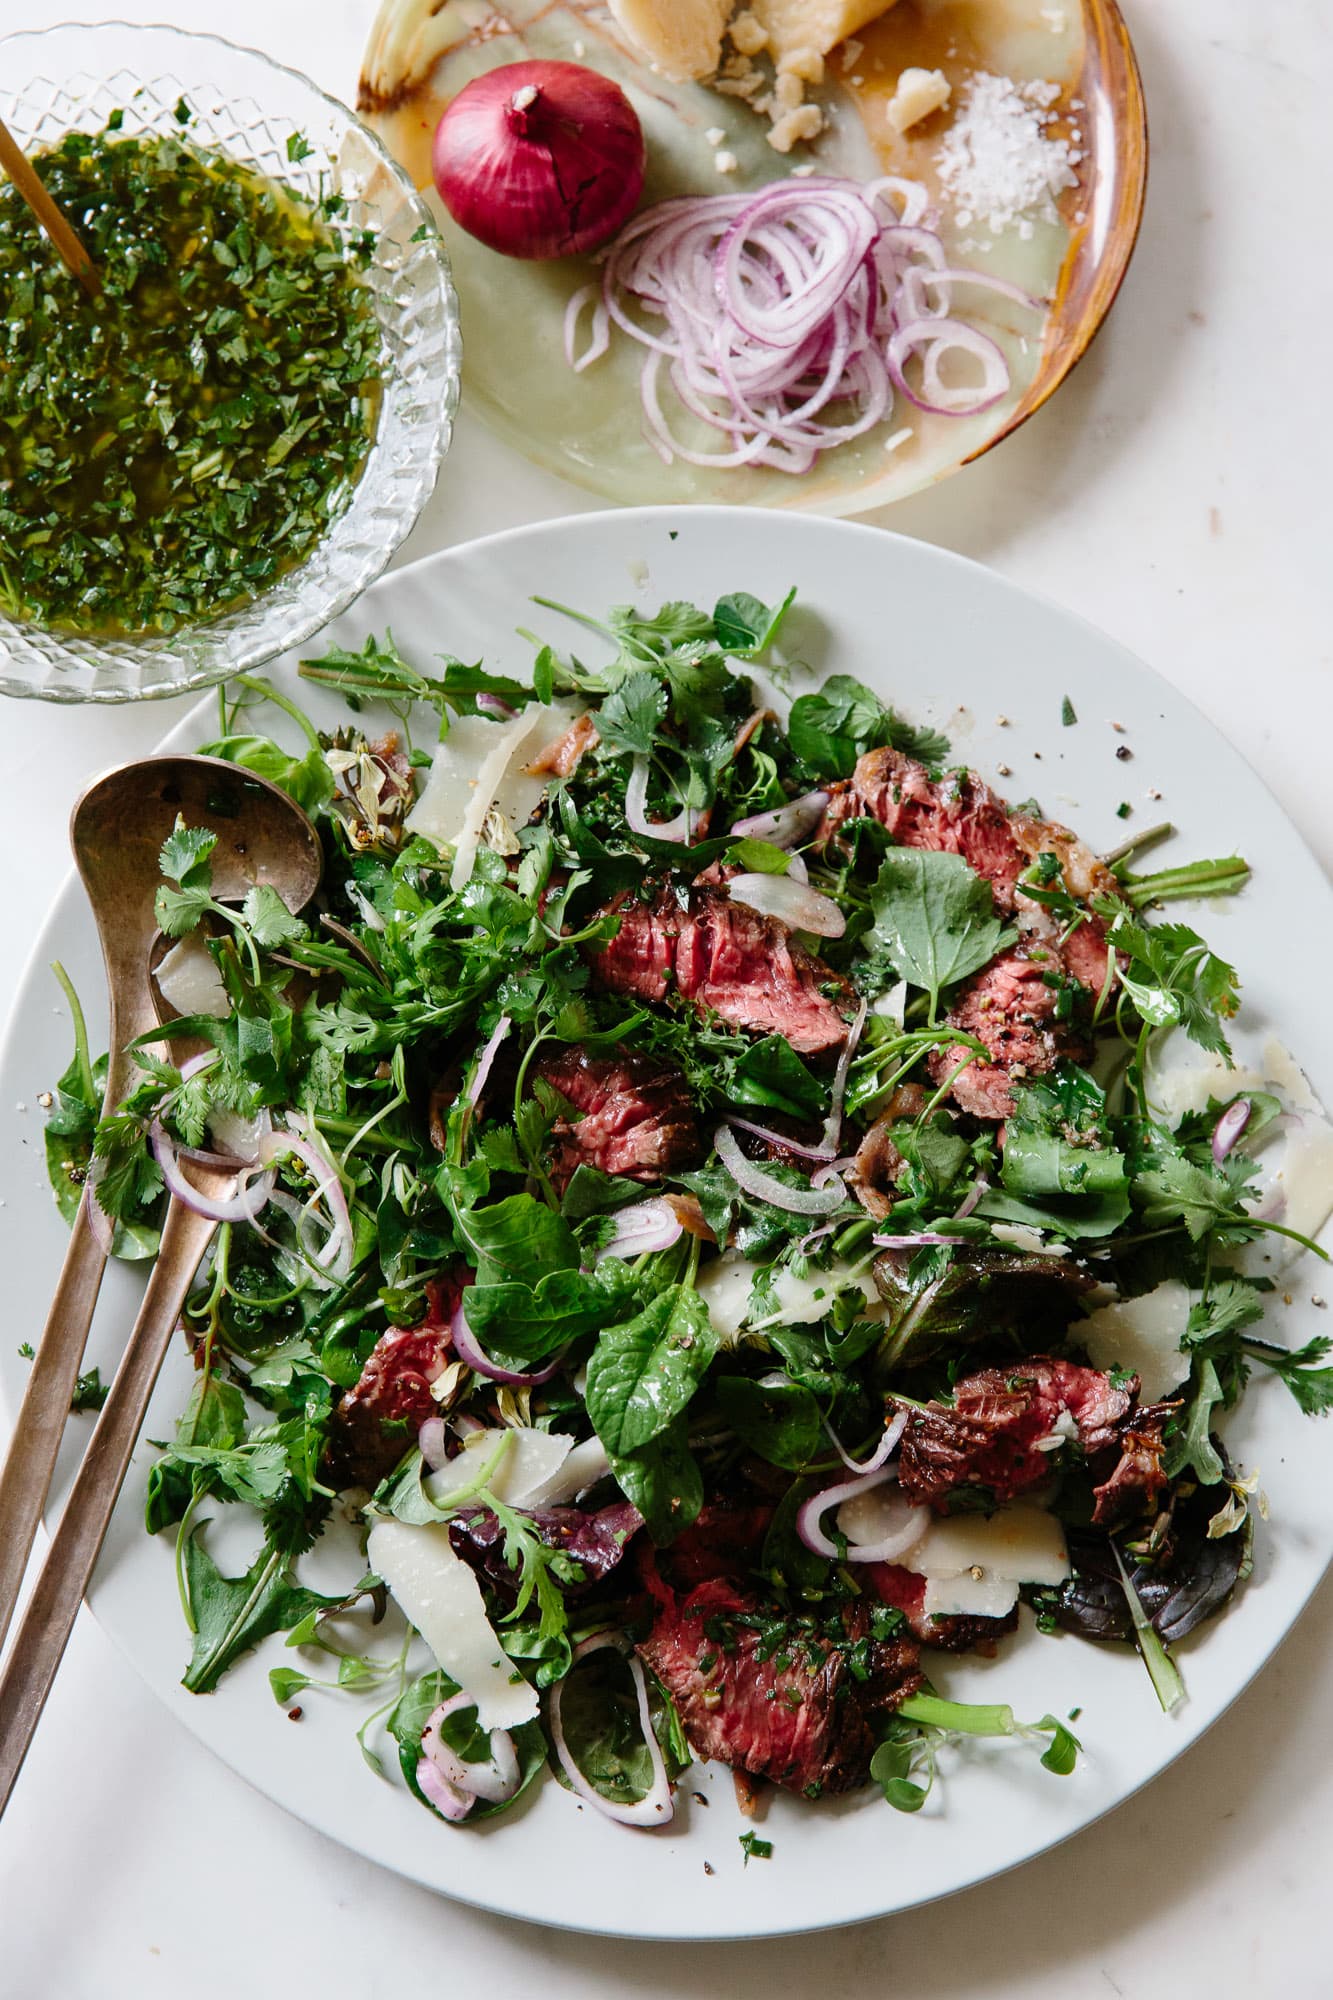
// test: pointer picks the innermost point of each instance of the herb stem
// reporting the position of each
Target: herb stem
(82, 1058)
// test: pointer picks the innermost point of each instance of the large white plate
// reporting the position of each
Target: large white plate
(933, 633)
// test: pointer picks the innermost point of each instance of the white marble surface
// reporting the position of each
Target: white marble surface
(1176, 493)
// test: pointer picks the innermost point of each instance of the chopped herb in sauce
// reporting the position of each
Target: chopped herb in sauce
(169, 449)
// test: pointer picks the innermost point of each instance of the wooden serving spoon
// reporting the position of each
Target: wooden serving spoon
(116, 830)
(63, 239)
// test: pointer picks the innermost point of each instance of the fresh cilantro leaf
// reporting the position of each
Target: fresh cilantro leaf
(754, 1848)
(643, 1374)
(830, 729)
(298, 147)
(935, 919)
(1179, 1191)
(90, 1391)
(271, 923)
(185, 855)
(629, 719)
(1174, 979)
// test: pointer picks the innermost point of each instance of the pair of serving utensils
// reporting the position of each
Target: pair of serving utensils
(116, 832)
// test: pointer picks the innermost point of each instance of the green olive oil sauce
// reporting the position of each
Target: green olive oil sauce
(170, 448)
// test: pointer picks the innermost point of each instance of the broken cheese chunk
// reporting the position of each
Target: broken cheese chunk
(794, 25)
(682, 38)
(919, 92)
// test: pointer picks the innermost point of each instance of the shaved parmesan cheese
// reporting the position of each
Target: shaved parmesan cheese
(1019, 1237)
(977, 1594)
(1286, 1077)
(1302, 1174)
(189, 981)
(724, 1287)
(584, 1465)
(530, 1461)
(439, 1595)
(1142, 1335)
(478, 766)
(1019, 1544)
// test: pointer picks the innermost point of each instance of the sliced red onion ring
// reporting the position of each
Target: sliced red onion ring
(645, 1225)
(335, 1256)
(495, 1780)
(883, 1450)
(252, 1191)
(810, 1514)
(446, 1798)
(792, 903)
(1229, 1128)
(786, 825)
(899, 1528)
(971, 1198)
(499, 711)
(831, 1170)
(472, 1354)
(774, 1138)
(656, 1807)
(833, 1123)
(99, 1222)
(431, 1443)
(929, 340)
(487, 1057)
(636, 817)
(747, 1175)
(824, 1229)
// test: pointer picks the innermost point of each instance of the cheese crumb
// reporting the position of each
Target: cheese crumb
(805, 122)
(850, 51)
(725, 162)
(898, 438)
(806, 63)
(748, 34)
(919, 92)
(789, 92)
(715, 135)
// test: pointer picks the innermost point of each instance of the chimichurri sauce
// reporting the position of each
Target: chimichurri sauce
(169, 449)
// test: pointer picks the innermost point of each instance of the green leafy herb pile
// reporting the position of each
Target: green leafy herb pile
(170, 447)
(395, 1038)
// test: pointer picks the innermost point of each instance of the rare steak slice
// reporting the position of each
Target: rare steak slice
(729, 960)
(1012, 1008)
(377, 1419)
(634, 1114)
(1003, 1428)
(772, 1695)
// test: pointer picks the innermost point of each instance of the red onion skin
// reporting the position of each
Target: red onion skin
(502, 155)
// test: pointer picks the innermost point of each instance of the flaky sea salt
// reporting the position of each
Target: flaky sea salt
(996, 160)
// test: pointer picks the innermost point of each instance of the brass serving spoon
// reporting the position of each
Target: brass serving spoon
(116, 830)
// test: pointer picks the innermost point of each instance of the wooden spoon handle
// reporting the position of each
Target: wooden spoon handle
(25, 1679)
(29, 184)
(26, 1474)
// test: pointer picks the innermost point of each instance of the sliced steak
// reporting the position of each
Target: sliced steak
(784, 1706)
(1012, 1011)
(959, 814)
(992, 1436)
(906, 1592)
(636, 1118)
(727, 960)
(878, 1162)
(376, 1421)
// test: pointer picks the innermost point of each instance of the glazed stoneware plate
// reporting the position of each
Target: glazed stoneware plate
(953, 645)
(589, 426)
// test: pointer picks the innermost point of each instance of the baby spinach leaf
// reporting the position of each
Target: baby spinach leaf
(770, 1072)
(778, 1420)
(307, 779)
(662, 1479)
(935, 919)
(643, 1374)
(743, 626)
(518, 1238)
(406, 1723)
(528, 1322)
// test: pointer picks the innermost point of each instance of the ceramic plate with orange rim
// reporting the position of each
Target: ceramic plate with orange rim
(590, 426)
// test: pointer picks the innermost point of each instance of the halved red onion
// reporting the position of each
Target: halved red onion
(645, 1225)
(487, 1057)
(748, 1175)
(1229, 1128)
(656, 1807)
(883, 1451)
(792, 903)
(636, 815)
(830, 1171)
(446, 1798)
(253, 1187)
(786, 825)
(495, 1780)
(472, 1354)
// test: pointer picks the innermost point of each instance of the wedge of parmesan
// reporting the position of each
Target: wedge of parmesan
(795, 26)
(189, 981)
(1142, 1335)
(437, 1592)
(477, 770)
(681, 38)
(530, 1463)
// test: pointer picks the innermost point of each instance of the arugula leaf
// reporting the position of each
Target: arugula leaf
(643, 1374)
(935, 919)
(629, 719)
(1192, 1448)
(231, 1614)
